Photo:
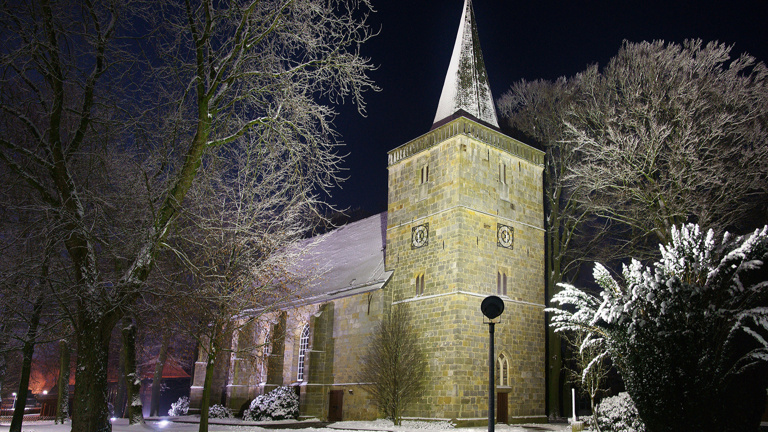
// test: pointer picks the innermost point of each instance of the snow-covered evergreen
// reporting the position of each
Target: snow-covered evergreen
(619, 414)
(220, 412)
(281, 403)
(180, 407)
(688, 334)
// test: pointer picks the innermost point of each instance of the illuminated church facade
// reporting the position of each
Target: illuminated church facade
(464, 221)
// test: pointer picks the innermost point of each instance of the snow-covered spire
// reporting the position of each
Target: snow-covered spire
(466, 83)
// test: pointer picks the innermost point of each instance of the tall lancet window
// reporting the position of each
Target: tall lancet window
(502, 365)
(303, 348)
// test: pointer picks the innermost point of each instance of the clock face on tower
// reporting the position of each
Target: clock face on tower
(505, 236)
(420, 235)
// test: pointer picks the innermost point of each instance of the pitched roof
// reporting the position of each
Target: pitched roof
(466, 89)
(171, 369)
(347, 261)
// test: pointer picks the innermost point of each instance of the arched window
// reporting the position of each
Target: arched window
(501, 283)
(267, 348)
(502, 364)
(303, 347)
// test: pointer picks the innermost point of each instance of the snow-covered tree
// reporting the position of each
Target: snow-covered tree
(110, 141)
(588, 368)
(689, 335)
(671, 134)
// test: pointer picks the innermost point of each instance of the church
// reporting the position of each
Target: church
(464, 221)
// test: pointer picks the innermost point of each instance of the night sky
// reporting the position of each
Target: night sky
(520, 40)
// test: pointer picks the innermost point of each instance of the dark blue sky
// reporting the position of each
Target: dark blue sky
(520, 40)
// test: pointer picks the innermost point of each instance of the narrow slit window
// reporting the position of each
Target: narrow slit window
(501, 283)
(502, 173)
(504, 283)
(420, 284)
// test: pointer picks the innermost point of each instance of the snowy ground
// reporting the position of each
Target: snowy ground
(121, 425)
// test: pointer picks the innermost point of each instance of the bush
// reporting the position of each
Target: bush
(219, 412)
(180, 407)
(688, 334)
(280, 404)
(618, 414)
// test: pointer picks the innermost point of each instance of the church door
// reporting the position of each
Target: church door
(335, 405)
(502, 408)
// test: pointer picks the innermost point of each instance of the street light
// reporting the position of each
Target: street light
(13, 407)
(492, 307)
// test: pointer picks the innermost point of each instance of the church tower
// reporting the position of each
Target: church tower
(465, 221)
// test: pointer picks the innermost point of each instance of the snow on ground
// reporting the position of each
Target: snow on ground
(121, 425)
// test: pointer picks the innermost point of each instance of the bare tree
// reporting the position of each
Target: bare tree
(537, 109)
(590, 366)
(394, 368)
(672, 134)
(236, 239)
(114, 182)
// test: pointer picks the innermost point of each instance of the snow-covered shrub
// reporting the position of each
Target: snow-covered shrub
(180, 407)
(219, 412)
(280, 404)
(619, 414)
(689, 334)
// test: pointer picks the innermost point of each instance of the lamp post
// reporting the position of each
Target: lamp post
(13, 407)
(492, 307)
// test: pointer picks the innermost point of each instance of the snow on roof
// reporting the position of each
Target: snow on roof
(348, 260)
(466, 85)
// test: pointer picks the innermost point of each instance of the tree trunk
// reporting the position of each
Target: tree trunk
(3, 361)
(62, 404)
(554, 276)
(90, 411)
(132, 377)
(121, 396)
(594, 413)
(154, 405)
(26, 365)
(205, 403)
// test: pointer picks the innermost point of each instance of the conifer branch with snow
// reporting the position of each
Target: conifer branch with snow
(688, 334)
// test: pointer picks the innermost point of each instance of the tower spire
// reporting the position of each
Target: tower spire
(466, 85)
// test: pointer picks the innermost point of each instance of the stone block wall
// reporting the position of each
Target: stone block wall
(472, 189)
(341, 334)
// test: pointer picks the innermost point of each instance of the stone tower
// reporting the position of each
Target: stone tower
(465, 220)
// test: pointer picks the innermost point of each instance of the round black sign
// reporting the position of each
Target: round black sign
(492, 307)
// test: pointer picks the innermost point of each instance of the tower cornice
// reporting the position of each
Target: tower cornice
(472, 129)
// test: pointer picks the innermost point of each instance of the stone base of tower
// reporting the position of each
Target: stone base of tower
(457, 341)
